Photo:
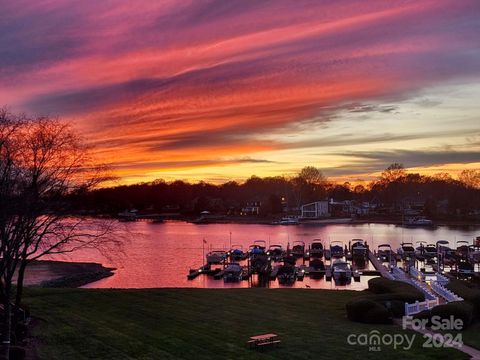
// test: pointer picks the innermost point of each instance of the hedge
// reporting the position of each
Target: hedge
(385, 286)
(367, 311)
(462, 289)
(463, 310)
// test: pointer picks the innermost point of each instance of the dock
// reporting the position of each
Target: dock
(379, 266)
(196, 272)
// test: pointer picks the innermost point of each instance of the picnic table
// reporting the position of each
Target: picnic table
(260, 341)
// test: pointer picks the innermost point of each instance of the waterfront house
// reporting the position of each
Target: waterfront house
(315, 210)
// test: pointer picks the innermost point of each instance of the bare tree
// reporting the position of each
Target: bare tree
(42, 164)
(393, 172)
(471, 178)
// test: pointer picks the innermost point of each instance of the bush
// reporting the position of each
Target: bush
(467, 293)
(458, 309)
(367, 311)
(377, 315)
(385, 286)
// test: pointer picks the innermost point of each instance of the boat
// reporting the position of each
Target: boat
(336, 249)
(258, 247)
(287, 221)
(216, 257)
(420, 251)
(287, 274)
(233, 273)
(359, 252)
(260, 264)
(237, 253)
(474, 253)
(384, 253)
(316, 249)
(406, 250)
(317, 265)
(298, 248)
(430, 251)
(448, 256)
(418, 221)
(259, 261)
(462, 249)
(341, 272)
(276, 252)
(128, 215)
(465, 268)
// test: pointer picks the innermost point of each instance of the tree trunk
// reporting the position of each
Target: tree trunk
(6, 326)
(19, 293)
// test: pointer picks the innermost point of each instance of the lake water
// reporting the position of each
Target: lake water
(160, 255)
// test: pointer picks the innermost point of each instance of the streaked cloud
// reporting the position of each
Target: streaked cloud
(163, 86)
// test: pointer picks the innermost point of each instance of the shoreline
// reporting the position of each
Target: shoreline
(331, 221)
(64, 274)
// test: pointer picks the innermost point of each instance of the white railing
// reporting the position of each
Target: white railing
(417, 307)
(442, 279)
(398, 273)
(416, 273)
(445, 293)
(423, 288)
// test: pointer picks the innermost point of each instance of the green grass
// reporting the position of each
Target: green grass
(203, 324)
(471, 336)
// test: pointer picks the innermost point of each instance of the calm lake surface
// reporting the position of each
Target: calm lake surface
(160, 255)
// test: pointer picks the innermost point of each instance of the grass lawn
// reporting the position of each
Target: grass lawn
(471, 336)
(203, 324)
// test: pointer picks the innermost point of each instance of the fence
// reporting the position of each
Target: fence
(398, 273)
(441, 279)
(423, 288)
(417, 307)
(416, 273)
(445, 293)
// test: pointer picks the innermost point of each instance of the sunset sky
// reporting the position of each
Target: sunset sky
(220, 90)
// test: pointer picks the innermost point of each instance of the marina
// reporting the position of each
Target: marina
(173, 254)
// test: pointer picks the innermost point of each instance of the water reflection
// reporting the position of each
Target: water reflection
(160, 255)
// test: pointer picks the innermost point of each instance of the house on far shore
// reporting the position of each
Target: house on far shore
(315, 210)
(251, 208)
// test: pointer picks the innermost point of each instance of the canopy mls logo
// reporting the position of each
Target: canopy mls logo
(374, 340)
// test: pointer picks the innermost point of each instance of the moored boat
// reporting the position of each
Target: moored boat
(298, 248)
(276, 252)
(316, 249)
(341, 272)
(232, 273)
(337, 249)
(385, 253)
(359, 251)
(287, 274)
(236, 253)
(216, 257)
(406, 250)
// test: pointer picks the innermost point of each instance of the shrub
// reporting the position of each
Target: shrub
(367, 311)
(467, 293)
(357, 307)
(458, 309)
(377, 315)
(385, 286)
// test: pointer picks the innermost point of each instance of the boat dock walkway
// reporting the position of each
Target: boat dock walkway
(379, 266)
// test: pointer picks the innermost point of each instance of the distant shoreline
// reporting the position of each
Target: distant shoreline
(329, 221)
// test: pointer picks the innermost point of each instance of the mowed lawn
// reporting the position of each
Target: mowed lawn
(203, 324)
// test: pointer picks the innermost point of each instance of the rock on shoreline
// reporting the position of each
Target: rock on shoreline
(64, 274)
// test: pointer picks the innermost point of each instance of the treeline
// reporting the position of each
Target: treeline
(395, 190)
